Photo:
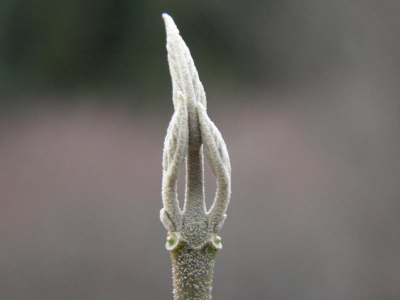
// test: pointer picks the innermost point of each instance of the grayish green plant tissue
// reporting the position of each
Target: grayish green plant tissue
(192, 232)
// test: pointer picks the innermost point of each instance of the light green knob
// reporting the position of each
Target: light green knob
(173, 239)
(216, 242)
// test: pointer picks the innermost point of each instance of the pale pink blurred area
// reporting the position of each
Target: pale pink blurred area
(314, 211)
(80, 195)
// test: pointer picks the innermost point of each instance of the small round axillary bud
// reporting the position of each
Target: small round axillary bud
(216, 242)
(173, 240)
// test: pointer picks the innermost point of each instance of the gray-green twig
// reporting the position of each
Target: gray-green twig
(192, 232)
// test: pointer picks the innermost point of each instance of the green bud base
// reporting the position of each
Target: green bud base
(193, 272)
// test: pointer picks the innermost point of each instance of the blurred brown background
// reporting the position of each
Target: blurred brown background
(305, 93)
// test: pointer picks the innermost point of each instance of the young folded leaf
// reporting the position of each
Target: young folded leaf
(175, 149)
(218, 156)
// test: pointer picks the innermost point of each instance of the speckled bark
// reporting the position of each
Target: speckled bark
(193, 272)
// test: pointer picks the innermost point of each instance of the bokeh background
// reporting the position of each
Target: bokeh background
(305, 93)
